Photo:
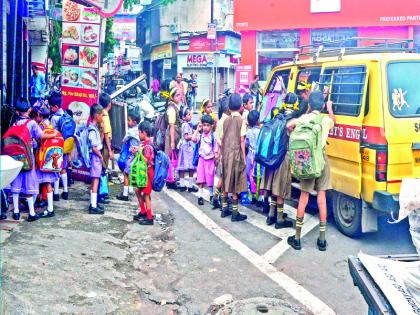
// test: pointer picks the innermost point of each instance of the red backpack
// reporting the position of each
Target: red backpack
(50, 157)
(17, 143)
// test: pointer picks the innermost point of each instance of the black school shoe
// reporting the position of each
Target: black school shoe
(65, 195)
(46, 214)
(146, 221)
(266, 207)
(3, 216)
(182, 188)
(270, 220)
(32, 218)
(171, 186)
(283, 224)
(225, 213)
(216, 203)
(236, 217)
(193, 189)
(16, 216)
(103, 201)
(56, 197)
(139, 216)
(294, 242)
(96, 210)
(200, 201)
(322, 245)
(122, 197)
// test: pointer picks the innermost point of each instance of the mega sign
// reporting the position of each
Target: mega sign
(197, 61)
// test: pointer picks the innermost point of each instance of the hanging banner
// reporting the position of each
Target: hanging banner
(80, 60)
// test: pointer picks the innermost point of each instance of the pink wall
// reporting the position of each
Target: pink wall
(249, 48)
(401, 32)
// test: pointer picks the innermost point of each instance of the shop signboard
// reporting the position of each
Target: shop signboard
(167, 64)
(321, 6)
(105, 8)
(211, 31)
(198, 60)
(244, 75)
(80, 63)
(200, 44)
(162, 52)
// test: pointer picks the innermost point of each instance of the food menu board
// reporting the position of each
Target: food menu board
(80, 55)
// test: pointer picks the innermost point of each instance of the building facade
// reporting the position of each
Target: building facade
(273, 33)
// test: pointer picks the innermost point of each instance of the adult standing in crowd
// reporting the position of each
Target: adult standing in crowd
(193, 90)
(181, 86)
(255, 90)
(38, 84)
(155, 86)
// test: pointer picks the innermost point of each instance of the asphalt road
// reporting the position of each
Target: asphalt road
(77, 263)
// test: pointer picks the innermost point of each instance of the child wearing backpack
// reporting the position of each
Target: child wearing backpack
(96, 159)
(233, 159)
(144, 195)
(321, 125)
(46, 179)
(251, 144)
(186, 153)
(57, 112)
(207, 153)
(26, 183)
(132, 141)
(277, 182)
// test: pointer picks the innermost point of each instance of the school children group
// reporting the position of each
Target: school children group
(234, 157)
(230, 154)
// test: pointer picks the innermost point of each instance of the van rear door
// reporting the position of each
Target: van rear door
(347, 82)
(401, 99)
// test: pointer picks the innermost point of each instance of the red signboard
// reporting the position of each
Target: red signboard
(202, 44)
(360, 13)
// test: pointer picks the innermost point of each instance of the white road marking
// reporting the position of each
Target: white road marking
(288, 284)
(257, 220)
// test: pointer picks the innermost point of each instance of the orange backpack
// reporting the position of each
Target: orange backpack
(50, 156)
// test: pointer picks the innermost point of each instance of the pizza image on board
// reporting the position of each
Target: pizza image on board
(71, 11)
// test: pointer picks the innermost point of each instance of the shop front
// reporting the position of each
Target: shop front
(213, 62)
(270, 38)
(163, 61)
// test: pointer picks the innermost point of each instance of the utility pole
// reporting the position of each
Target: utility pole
(213, 49)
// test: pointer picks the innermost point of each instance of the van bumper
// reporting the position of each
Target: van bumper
(386, 203)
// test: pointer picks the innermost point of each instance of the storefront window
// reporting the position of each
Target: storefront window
(277, 39)
(267, 60)
(330, 37)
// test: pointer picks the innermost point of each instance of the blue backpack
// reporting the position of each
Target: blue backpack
(124, 154)
(161, 170)
(196, 155)
(83, 148)
(272, 142)
(66, 125)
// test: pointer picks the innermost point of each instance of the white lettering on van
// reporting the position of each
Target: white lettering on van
(353, 133)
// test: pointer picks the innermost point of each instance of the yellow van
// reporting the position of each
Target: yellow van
(376, 140)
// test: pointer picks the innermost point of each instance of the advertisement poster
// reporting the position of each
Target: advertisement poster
(80, 64)
(244, 76)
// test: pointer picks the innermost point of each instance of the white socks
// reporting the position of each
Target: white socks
(15, 203)
(94, 200)
(50, 207)
(130, 190)
(56, 187)
(190, 181)
(64, 180)
(125, 191)
(200, 192)
(30, 201)
(182, 182)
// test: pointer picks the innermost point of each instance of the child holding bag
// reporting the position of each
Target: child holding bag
(144, 194)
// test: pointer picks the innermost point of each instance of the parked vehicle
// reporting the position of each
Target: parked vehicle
(376, 140)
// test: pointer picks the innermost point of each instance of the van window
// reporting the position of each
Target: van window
(309, 75)
(403, 88)
(279, 81)
(346, 88)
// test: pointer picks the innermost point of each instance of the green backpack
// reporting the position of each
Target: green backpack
(305, 150)
(138, 171)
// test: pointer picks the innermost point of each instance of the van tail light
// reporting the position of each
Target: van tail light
(381, 165)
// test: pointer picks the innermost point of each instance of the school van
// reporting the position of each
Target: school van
(375, 142)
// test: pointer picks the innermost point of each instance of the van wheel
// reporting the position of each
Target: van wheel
(348, 214)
